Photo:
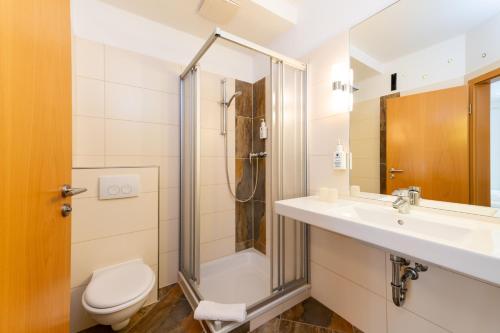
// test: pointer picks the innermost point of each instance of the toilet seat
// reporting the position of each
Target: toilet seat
(118, 287)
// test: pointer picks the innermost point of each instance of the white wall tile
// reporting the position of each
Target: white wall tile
(88, 135)
(132, 103)
(88, 161)
(169, 235)
(89, 97)
(79, 317)
(89, 59)
(361, 307)
(94, 218)
(401, 320)
(89, 178)
(141, 71)
(217, 225)
(169, 203)
(91, 255)
(215, 198)
(350, 259)
(169, 267)
(220, 248)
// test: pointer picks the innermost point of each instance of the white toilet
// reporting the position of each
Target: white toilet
(116, 293)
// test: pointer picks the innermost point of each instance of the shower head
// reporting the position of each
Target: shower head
(236, 94)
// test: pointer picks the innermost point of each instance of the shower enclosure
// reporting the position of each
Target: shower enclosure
(233, 248)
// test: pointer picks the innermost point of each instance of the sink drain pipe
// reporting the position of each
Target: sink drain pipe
(399, 283)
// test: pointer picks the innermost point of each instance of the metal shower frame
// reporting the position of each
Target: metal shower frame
(285, 291)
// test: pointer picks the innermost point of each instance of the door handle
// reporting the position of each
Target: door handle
(68, 191)
(392, 170)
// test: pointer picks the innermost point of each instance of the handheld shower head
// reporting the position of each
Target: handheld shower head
(236, 94)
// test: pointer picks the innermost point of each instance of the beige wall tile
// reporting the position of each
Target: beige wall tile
(215, 198)
(91, 255)
(169, 235)
(401, 320)
(138, 104)
(88, 161)
(88, 135)
(217, 225)
(169, 172)
(212, 143)
(169, 267)
(350, 259)
(169, 203)
(361, 307)
(131, 68)
(325, 133)
(126, 161)
(89, 97)
(89, 178)
(89, 59)
(213, 170)
(93, 218)
(79, 318)
(220, 248)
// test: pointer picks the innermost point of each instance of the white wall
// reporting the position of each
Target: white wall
(100, 22)
(126, 113)
(483, 39)
(441, 64)
(109, 232)
(327, 123)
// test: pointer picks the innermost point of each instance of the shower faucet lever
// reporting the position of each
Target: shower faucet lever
(257, 155)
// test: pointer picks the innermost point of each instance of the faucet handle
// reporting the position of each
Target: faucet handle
(415, 189)
(400, 192)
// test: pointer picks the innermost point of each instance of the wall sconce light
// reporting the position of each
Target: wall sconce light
(343, 88)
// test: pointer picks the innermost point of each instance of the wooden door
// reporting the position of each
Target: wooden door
(35, 148)
(480, 146)
(427, 139)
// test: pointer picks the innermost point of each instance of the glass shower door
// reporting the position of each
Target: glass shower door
(289, 172)
(189, 256)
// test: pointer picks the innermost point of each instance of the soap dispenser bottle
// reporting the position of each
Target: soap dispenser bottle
(340, 161)
(263, 129)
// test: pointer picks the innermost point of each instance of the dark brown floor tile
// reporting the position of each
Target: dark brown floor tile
(313, 312)
(244, 103)
(243, 137)
(287, 326)
(356, 330)
(271, 326)
(245, 328)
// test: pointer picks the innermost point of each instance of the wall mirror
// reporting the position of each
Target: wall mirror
(427, 103)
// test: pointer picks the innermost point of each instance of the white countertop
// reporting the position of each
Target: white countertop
(461, 244)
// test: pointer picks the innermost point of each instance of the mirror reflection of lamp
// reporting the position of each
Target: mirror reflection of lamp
(342, 86)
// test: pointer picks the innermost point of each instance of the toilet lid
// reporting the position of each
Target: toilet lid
(118, 285)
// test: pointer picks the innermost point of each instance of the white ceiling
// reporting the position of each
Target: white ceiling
(411, 25)
(255, 20)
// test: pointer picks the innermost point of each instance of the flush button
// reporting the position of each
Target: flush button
(118, 186)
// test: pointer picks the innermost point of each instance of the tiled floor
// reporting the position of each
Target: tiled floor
(174, 315)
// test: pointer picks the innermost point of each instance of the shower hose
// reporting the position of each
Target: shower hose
(233, 193)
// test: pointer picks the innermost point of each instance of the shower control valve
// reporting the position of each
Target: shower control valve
(261, 154)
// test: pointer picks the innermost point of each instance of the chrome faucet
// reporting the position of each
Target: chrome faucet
(406, 198)
(402, 203)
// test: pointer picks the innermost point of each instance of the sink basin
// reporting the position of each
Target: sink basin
(419, 223)
(463, 244)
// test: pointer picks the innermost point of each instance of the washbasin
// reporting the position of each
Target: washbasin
(416, 222)
(459, 243)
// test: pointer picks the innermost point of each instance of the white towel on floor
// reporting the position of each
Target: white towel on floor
(208, 310)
